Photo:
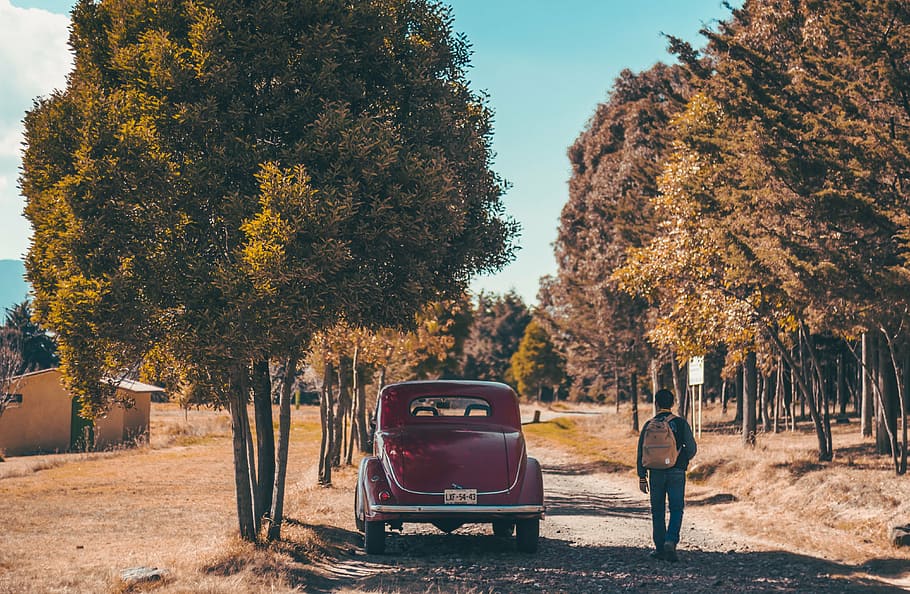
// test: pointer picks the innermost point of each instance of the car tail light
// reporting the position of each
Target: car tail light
(385, 496)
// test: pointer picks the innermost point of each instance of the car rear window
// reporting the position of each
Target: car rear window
(450, 406)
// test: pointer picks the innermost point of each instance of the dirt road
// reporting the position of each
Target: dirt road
(596, 539)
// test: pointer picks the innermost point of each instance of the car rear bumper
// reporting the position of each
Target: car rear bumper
(458, 511)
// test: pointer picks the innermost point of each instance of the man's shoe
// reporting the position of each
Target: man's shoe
(669, 552)
(657, 555)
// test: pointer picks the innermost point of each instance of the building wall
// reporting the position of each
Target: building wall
(109, 428)
(136, 419)
(42, 422)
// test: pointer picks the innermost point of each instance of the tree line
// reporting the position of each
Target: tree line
(749, 204)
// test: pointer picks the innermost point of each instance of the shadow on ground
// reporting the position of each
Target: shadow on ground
(473, 563)
(583, 468)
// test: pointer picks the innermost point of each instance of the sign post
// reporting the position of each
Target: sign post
(696, 381)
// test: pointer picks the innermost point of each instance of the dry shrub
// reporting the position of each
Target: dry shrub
(239, 556)
(190, 430)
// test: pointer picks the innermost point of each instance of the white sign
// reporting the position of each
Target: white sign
(696, 371)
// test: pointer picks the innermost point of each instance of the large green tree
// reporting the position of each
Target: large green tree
(228, 177)
(615, 163)
(536, 364)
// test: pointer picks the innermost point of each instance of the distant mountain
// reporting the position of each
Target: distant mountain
(13, 286)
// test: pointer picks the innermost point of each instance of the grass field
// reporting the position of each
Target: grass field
(73, 522)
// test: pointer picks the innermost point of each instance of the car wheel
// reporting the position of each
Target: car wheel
(358, 509)
(374, 537)
(503, 528)
(526, 534)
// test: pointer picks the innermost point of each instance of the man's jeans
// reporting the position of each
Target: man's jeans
(667, 485)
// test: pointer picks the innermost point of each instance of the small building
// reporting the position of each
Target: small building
(42, 416)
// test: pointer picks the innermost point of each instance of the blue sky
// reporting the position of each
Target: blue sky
(546, 65)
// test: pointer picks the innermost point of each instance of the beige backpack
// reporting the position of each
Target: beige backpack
(658, 446)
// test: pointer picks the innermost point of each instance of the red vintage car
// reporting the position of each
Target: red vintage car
(449, 453)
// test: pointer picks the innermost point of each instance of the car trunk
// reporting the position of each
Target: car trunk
(432, 459)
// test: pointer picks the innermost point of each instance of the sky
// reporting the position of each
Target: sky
(545, 65)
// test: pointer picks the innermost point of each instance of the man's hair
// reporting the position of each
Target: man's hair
(664, 398)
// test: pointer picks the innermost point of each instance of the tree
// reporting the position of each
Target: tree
(228, 179)
(37, 349)
(819, 94)
(615, 162)
(498, 324)
(536, 364)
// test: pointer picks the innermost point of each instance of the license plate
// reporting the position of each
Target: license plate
(461, 496)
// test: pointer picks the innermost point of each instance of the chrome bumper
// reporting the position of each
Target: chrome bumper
(457, 509)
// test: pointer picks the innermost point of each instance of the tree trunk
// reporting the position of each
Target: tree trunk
(738, 391)
(841, 384)
(616, 381)
(276, 515)
(237, 404)
(342, 405)
(749, 399)
(723, 397)
(363, 433)
(678, 388)
(265, 436)
(822, 423)
(893, 406)
(354, 416)
(251, 461)
(778, 397)
(766, 402)
(886, 421)
(655, 376)
(794, 392)
(326, 420)
(868, 403)
(633, 391)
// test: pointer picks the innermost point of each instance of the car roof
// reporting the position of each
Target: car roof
(395, 398)
(448, 383)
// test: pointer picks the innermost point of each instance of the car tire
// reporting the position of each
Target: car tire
(374, 537)
(526, 535)
(503, 528)
(358, 510)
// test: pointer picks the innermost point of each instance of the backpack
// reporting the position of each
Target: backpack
(658, 446)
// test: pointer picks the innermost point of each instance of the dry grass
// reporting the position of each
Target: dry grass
(73, 522)
(777, 491)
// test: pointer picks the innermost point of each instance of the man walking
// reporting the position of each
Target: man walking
(665, 446)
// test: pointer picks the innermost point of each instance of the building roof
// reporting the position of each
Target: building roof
(123, 384)
(133, 386)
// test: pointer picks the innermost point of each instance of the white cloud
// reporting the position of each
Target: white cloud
(34, 56)
(34, 60)
(11, 141)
